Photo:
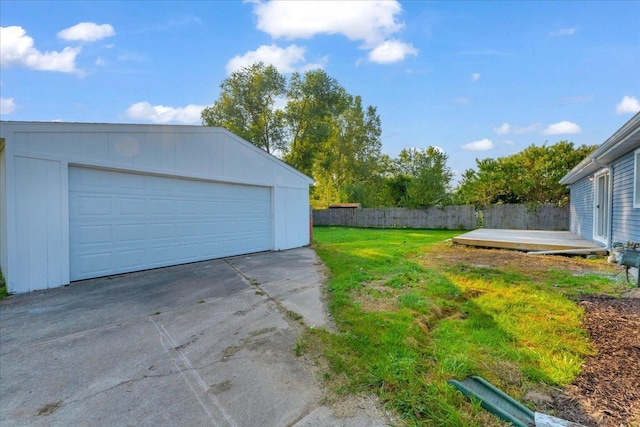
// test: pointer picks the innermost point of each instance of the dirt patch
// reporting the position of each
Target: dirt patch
(49, 408)
(448, 254)
(607, 392)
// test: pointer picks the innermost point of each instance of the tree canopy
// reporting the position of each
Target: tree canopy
(322, 130)
(311, 122)
(530, 176)
(246, 106)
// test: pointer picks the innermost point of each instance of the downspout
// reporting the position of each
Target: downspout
(610, 213)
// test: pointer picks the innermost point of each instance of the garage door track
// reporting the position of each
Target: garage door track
(208, 343)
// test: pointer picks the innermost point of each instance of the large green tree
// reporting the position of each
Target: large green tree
(530, 176)
(323, 131)
(246, 106)
(315, 103)
(424, 176)
(345, 163)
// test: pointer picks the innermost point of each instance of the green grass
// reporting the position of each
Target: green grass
(3, 287)
(406, 327)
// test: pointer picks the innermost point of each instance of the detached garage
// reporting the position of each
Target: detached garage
(84, 200)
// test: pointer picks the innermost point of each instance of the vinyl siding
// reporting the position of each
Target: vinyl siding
(581, 206)
(625, 218)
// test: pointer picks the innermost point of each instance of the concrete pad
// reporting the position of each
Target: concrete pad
(200, 344)
(294, 284)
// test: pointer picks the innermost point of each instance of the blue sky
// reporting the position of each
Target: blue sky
(478, 79)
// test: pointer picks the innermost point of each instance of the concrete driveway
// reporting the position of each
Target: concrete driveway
(208, 343)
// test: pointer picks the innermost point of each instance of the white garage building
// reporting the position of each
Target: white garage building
(82, 200)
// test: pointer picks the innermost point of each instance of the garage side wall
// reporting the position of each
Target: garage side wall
(40, 257)
(291, 213)
(3, 210)
(37, 257)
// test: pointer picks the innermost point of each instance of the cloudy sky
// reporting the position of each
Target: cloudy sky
(478, 79)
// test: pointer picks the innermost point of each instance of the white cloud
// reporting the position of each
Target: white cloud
(370, 22)
(391, 51)
(461, 101)
(475, 77)
(101, 61)
(563, 127)
(563, 32)
(628, 105)
(87, 32)
(480, 145)
(506, 129)
(286, 60)
(161, 114)
(17, 49)
(7, 106)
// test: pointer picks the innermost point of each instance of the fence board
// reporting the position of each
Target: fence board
(514, 217)
(526, 217)
(449, 217)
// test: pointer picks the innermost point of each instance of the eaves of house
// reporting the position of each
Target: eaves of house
(621, 142)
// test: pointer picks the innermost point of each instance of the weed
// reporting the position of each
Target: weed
(3, 287)
(293, 315)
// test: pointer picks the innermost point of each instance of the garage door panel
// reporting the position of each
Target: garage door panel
(132, 233)
(163, 207)
(92, 235)
(92, 205)
(130, 259)
(95, 263)
(122, 222)
(132, 206)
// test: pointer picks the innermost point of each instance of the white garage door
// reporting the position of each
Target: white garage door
(121, 222)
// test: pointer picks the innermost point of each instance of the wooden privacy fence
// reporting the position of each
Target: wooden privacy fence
(466, 217)
(526, 217)
(449, 217)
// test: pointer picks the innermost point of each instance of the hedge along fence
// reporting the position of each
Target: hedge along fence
(515, 217)
(449, 217)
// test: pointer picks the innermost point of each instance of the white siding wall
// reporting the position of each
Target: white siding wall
(292, 214)
(38, 156)
(581, 206)
(3, 212)
(625, 218)
(38, 206)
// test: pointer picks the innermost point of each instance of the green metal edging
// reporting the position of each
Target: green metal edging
(496, 401)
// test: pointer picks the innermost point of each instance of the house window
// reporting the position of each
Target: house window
(636, 179)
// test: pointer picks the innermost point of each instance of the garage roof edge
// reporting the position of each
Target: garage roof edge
(138, 127)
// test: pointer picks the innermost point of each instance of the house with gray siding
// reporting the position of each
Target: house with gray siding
(605, 189)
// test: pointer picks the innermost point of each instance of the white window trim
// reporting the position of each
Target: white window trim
(636, 178)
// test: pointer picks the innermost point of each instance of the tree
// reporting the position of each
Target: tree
(345, 163)
(246, 106)
(530, 176)
(323, 131)
(314, 103)
(427, 177)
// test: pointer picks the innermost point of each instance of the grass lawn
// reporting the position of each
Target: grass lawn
(3, 287)
(412, 312)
